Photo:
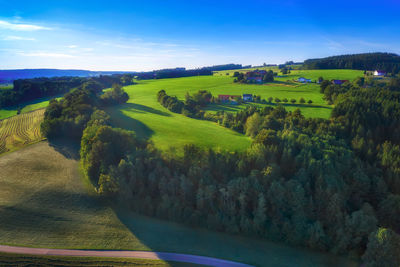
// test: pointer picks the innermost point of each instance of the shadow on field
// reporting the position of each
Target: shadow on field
(144, 109)
(68, 148)
(120, 120)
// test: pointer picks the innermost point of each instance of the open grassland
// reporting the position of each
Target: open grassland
(20, 130)
(6, 86)
(149, 119)
(43, 203)
(25, 107)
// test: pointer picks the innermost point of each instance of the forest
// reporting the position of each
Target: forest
(387, 62)
(30, 89)
(327, 184)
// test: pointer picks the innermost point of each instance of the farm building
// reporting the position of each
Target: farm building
(339, 82)
(303, 80)
(248, 97)
(379, 73)
(255, 79)
(228, 98)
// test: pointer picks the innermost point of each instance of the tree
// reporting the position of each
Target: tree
(285, 100)
(320, 79)
(277, 100)
(292, 100)
(302, 101)
(253, 124)
(268, 77)
(270, 99)
(383, 249)
(310, 101)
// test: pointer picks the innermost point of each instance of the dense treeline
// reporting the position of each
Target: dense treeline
(69, 116)
(369, 61)
(298, 183)
(191, 107)
(331, 185)
(29, 89)
(183, 72)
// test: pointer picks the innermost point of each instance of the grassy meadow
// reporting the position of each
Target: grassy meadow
(26, 107)
(45, 203)
(150, 120)
(168, 130)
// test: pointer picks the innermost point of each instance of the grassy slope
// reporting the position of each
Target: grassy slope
(43, 203)
(26, 107)
(150, 120)
(146, 116)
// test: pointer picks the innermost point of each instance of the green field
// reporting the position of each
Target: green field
(26, 107)
(44, 203)
(150, 120)
(6, 86)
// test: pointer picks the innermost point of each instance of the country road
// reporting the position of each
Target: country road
(124, 254)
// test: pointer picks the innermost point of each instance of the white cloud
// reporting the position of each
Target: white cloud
(21, 27)
(45, 54)
(18, 38)
(72, 46)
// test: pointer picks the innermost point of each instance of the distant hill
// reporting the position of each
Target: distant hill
(7, 76)
(369, 61)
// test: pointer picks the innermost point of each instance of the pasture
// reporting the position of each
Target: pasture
(44, 203)
(170, 131)
(25, 107)
(150, 120)
(20, 130)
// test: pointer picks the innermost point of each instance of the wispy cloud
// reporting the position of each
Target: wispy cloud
(21, 27)
(45, 54)
(72, 46)
(18, 38)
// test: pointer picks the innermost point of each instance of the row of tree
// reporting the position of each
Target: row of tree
(191, 107)
(369, 61)
(30, 89)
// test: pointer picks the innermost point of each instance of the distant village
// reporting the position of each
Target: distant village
(261, 76)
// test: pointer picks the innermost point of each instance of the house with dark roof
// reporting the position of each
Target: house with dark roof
(248, 97)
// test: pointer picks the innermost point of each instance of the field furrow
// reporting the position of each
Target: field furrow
(20, 130)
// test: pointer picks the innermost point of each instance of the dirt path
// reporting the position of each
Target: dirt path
(124, 254)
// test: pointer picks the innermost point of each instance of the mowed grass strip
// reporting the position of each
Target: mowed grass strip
(44, 203)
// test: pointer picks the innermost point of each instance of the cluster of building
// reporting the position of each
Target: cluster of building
(255, 76)
(232, 99)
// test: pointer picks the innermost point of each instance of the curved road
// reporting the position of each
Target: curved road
(124, 254)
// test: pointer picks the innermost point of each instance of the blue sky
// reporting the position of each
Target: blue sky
(147, 35)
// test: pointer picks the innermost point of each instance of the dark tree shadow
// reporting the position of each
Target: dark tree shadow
(120, 120)
(67, 147)
(144, 109)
